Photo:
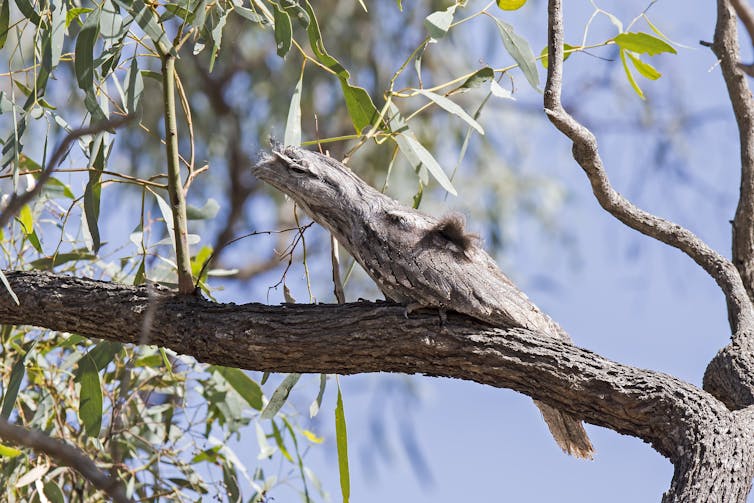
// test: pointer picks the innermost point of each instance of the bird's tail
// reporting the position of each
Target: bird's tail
(568, 432)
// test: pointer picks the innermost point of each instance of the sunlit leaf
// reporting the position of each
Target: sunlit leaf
(317, 403)
(361, 109)
(312, 437)
(629, 75)
(27, 9)
(9, 452)
(47, 263)
(341, 441)
(134, 87)
(568, 49)
(208, 211)
(74, 14)
(500, 92)
(643, 68)
(4, 21)
(519, 49)
(8, 288)
(14, 383)
(248, 14)
(510, 4)
(643, 43)
(279, 396)
(32, 475)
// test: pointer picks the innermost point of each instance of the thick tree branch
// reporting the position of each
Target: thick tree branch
(372, 337)
(726, 48)
(740, 311)
(65, 455)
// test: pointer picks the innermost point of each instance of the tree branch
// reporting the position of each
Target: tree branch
(18, 201)
(65, 455)
(746, 14)
(726, 49)
(585, 152)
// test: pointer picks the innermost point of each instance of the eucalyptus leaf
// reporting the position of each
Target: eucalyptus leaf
(519, 49)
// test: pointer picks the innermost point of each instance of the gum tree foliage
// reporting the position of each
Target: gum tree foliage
(159, 196)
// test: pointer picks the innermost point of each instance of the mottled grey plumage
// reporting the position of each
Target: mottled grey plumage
(414, 258)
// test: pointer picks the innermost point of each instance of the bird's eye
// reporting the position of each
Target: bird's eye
(297, 167)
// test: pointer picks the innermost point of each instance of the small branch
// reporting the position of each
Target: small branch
(18, 201)
(65, 455)
(726, 48)
(740, 310)
(175, 186)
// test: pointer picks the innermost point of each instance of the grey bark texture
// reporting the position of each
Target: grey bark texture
(711, 447)
(414, 258)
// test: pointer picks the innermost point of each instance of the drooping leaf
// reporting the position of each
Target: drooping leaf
(438, 23)
(53, 492)
(32, 475)
(242, 383)
(27, 9)
(84, 52)
(499, 91)
(341, 441)
(93, 190)
(519, 49)
(146, 18)
(283, 30)
(643, 43)
(279, 396)
(90, 396)
(103, 353)
(292, 134)
(217, 37)
(453, 108)
(134, 87)
(111, 21)
(14, 383)
(643, 68)
(510, 4)
(361, 109)
(248, 14)
(57, 33)
(4, 21)
(75, 13)
(318, 46)
(317, 403)
(629, 75)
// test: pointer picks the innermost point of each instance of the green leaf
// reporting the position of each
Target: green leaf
(207, 212)
(438, 23)
(567, 51)
(26, 219)
(103, 353)
(629, 75)
(54, 188)
(242, 383)
(453, 108)
(643, 43)
(479, 78)
(134, 87)
(217, 38)
(279, 396)
(74, 14)
(27, 9)
(48, 263)
(341, 440)
(93, 190)
(283, 30)
(111, 22)
(280, 443)
(510, 4)
(90, 396)
(414, 151)
(361, 109)
(292, 134)
(249, 14)
(84, 52)
(147, 19)
(643, 68)
(14, 383)
(53, 492)
(519, 49)
(9, 452)
(318, 47)
(4, 21)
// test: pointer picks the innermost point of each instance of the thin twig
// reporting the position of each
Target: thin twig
(740, 311)
(18, 201)
(65, 455)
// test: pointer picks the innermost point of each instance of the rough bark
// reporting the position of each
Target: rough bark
(704, 440)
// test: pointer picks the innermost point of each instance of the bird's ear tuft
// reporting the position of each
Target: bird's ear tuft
(452, 229)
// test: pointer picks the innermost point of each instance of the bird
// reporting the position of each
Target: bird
(415, 259)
